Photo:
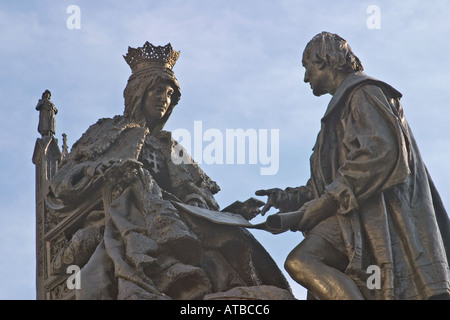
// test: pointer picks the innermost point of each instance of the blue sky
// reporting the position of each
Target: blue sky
(240, 67)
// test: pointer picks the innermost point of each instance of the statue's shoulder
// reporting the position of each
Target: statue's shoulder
(365, 82)
(102, 127)
(107, 124)
(101, 135)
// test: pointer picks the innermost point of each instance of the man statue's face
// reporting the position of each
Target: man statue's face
(157, 101)
(318, 76)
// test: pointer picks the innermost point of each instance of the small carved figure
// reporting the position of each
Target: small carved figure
(370, 200)
(47, 112)
(65, 148)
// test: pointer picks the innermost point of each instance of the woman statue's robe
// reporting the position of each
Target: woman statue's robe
(138, 245)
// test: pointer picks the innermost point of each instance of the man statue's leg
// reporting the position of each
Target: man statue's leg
(318, 266)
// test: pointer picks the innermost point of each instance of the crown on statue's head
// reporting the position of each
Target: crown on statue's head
(150, 56)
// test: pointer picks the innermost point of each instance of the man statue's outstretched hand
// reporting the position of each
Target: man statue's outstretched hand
(277, 198)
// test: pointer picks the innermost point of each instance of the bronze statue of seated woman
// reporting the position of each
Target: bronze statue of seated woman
(137, 245)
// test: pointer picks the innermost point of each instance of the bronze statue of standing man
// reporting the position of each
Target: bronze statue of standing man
(370, 203)
(47, 112)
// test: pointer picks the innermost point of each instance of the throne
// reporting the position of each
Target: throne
(55, 225)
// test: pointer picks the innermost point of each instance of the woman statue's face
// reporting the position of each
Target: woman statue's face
(157, 100)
